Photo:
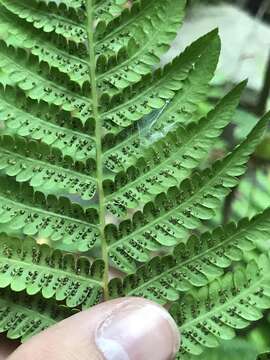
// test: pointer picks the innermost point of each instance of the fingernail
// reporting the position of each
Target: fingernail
(138, 332)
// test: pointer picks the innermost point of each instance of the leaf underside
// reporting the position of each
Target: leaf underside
(101, 161)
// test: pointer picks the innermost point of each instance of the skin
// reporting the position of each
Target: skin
(122, 329)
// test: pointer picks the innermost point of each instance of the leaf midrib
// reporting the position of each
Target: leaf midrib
(94, 95)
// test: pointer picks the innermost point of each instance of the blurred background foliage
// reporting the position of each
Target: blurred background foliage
(245, 33)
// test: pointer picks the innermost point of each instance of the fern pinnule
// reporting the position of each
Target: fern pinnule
(26, 266)
(231, 302)
(22, 317)
(26, 212)
(171, 159)
(168, 219)
(124, 149)
(194, 264)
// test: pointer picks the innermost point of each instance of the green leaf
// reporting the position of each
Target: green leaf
(31, 162)
(230, 303)
(24, 265)
(30, 213)
(169, 219)
(102, 152)
(234, 349)
(125, 149)
(22, 317)
(171, 159)
(196, 263)
(253, 194)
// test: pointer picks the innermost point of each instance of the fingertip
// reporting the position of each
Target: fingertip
(137, 329)
(121, 329)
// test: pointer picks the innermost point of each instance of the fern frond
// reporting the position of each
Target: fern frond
(169, 219)
(22, 317)
(26, 266)
(125, 149)
(37, 15)
(128, 43)
(171, 159)
(149, 28)
(28, 213)
(33, 163)
(91, 127)
(156, 90)
(232, 302)
(196, 263)
(37, 121)
(46, 80)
